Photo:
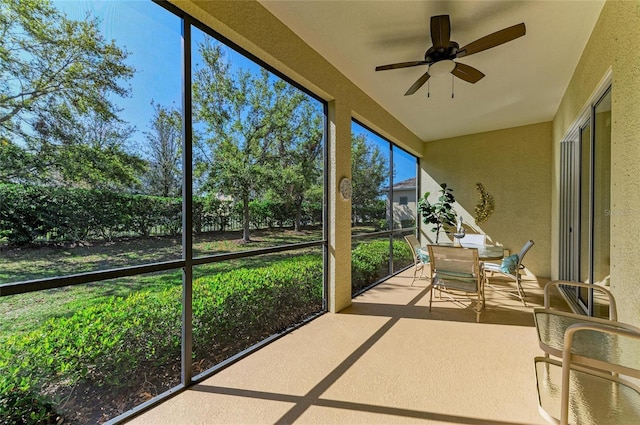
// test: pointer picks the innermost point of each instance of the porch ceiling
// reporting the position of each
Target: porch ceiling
(525, 78)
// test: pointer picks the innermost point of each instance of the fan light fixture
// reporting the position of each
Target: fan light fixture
(443, 67)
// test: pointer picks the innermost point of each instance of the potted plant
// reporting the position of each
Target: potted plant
(439, 213)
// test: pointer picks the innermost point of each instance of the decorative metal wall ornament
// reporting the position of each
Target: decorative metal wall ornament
(484, 209)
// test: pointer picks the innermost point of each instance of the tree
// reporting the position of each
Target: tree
(165, 142)
(245, 120)
(300, 154)
(86, 150)
(369, 173)
(57, 79)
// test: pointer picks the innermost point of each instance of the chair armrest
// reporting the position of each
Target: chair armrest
(551, 326)
(613, 311)
(611, 348)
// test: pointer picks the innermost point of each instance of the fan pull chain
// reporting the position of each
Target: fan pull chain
(452, 86)
(428, 88)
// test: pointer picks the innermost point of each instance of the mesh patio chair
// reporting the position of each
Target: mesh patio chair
(510, 268)
(455, 271)
(420, 258)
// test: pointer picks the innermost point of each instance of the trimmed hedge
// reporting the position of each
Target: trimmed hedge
(29, 213)
(370, 261)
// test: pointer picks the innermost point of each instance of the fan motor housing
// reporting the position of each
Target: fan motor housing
(434, 55)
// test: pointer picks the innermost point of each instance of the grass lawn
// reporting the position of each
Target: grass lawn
(22, 312)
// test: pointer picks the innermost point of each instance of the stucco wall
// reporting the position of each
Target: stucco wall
(514, 166)
(249, 25)
(613, 44)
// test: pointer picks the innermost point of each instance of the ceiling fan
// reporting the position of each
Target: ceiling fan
(444, 49)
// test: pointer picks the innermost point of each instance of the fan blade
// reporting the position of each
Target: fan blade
(492, 40)
(419, 83)
(401, 65)
(467, 73)
(440, 31)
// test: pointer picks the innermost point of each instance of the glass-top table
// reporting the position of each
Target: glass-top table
(485, 252)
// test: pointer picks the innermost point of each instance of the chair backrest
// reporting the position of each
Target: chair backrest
(527, 246)
(474, 239)
(455, 265)
(412, 241)
(414, 244)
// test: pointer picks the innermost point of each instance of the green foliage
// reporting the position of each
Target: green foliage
(440, 213)
(369, 173)
(58, 82)
(165, 147)
(251, 304)
(370, 261)
(102, 344)
(299, 171)
(484, 209)
(108, 343)
(31, 212)
(259, 132)
(20, 406)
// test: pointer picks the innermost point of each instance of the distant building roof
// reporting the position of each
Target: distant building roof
(405, 184)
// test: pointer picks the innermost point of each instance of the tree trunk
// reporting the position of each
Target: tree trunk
(297, 225)
(245, 220)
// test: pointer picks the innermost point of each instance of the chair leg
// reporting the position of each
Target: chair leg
(431, 295)
(521, 293)
(480, 306)
(415, 272)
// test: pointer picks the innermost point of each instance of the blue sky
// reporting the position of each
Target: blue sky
(152, 35)
(404, 163)
(131, 24)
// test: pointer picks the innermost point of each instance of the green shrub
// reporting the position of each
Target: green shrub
(107, 344)
(20, 406)
(28, 213)
(251, 304)
(370, 261)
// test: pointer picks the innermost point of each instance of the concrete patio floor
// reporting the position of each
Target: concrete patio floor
(384, 360)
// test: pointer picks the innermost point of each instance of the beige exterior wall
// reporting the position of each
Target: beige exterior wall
(252, 27)
(613, 45)
(514, 166)
(407, 211)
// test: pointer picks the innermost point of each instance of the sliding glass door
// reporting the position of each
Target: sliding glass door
(585, 205)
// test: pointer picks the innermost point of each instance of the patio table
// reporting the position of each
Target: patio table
(485, 252)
